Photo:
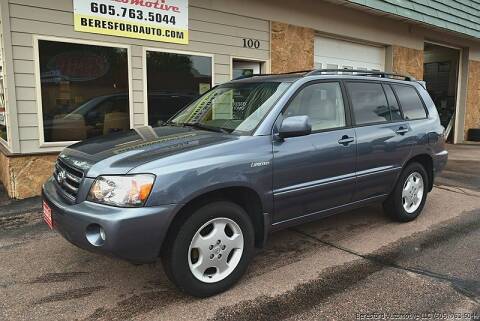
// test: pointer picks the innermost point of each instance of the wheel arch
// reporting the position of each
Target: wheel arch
(426, 161)
(243, 196)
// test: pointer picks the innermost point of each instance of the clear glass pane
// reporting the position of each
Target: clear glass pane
(411, 103)
(243, 69)
(242, 73)
(233, 107)
(84, 90)
(369, 103)
(392, 101)
(174, 81)
(322, 103)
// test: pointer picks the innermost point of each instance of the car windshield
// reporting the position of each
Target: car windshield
(233, 107)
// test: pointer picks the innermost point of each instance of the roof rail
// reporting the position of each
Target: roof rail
(359, 72)
(354, 72)
(283, 73)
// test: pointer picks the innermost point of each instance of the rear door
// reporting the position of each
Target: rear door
(384, 139)
(316, 172)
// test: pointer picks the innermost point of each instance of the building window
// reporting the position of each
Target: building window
(245, 68)
(85, 90)
(3, 112)
(174, 80)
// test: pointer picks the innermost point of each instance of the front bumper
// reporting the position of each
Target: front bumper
(133, 234)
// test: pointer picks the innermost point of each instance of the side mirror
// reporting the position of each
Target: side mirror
(295, 126)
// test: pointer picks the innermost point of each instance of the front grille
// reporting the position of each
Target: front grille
(68, 178)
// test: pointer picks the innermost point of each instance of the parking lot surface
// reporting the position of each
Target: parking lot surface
(352, 266)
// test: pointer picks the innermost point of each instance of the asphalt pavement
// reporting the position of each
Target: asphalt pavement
(355, 266)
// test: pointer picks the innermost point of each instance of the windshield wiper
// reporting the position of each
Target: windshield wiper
(206, 127)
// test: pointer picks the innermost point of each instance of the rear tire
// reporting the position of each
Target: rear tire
(408, 198)
(211, 249)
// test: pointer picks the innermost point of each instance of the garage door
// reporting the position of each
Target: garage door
(333, 53)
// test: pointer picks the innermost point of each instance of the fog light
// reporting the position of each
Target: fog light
(96, 235)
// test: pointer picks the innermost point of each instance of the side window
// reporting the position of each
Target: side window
(322, 103)
(411, 103)
(393, 103)
(368, 102)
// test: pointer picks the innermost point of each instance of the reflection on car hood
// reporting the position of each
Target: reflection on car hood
(119, 153)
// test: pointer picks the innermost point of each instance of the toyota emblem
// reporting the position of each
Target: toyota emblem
(61, 176)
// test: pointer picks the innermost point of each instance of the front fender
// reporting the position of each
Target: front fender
(245, 163)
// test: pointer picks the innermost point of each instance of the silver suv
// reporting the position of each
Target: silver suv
(247, 158)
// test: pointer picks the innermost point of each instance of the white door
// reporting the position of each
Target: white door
(333, 53)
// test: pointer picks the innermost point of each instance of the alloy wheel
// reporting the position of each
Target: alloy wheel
(215, 250)
(412, 193)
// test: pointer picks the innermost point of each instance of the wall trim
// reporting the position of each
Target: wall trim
(9, 80)
(9, 154)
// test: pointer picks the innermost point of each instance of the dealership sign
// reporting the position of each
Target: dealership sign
(157, 20)
(76, 66)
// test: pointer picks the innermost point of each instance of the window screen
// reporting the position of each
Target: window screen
(322, 103)
(411, 103)
(369, 103)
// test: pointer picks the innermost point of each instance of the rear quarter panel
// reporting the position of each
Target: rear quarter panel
(433, 142)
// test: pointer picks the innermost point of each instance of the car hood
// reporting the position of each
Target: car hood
(121, 152)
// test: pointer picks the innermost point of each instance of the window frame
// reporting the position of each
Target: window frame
(38, 81)
(3, 142)
(346, 104)
(172, 51)
(427, 114)
(396, 99)
(354, 122)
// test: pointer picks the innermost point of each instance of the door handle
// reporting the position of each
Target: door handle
(402, 130)
(346, 140)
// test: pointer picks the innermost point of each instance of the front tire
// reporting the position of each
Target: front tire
(211, 250)
(410, 194)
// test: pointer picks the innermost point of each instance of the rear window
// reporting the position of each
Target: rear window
(369, 103)
(412, 105)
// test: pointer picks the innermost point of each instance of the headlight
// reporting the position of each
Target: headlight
(122, 191)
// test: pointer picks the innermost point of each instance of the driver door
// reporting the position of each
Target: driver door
(314, 173)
